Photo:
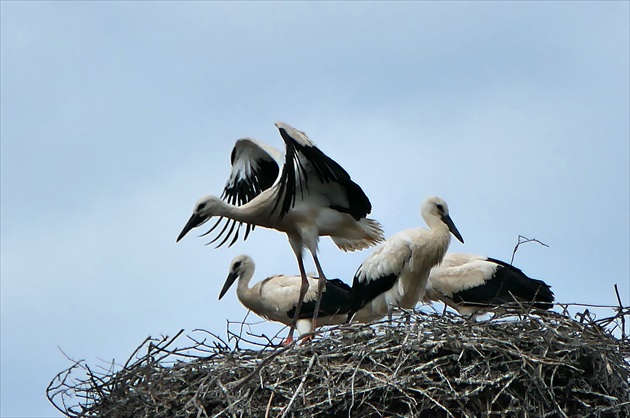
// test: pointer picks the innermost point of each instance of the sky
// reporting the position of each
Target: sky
(117, 116)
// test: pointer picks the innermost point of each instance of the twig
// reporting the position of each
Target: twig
(299, 388)
(262, 364)
(269, 405)
(524, 240)
(620, 310)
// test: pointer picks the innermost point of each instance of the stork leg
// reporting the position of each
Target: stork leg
(298, 307)
(320, 290)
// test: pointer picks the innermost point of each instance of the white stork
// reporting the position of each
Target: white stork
(471, 283)
(312, 196)
(395, 274)
(276, 298)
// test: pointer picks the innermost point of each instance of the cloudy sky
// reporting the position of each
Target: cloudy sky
(118, 116)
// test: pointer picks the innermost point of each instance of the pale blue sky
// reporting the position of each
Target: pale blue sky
(117, 116)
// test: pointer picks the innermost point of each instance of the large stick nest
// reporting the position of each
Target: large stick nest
(422, 364)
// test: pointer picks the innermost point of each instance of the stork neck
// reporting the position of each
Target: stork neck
(440, 233)
(238, 213)
(252, 300)
(253, 212)
(242, 287)
(439, 227)
(247, 295)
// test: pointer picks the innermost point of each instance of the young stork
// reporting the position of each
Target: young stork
(276, 298)
(312, 196)
(471, 283)
(395, 274)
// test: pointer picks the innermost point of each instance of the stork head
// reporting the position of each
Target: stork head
(435, 208)
(242, 265)
(205, 208)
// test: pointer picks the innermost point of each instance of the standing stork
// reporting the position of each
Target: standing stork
(276, 298)
(471, 283)
(312, 196)
(395, 274)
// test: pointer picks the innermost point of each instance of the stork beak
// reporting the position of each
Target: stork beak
(231, 278)
(451, 226)
(194, 221)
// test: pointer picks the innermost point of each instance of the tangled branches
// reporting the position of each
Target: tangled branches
(428, 364)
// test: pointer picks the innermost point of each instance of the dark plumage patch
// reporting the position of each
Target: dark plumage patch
(363, 292)
(263, 175)
(507, 284)
(232, 224)
(335, 300)
(340, 284)
(326, 169)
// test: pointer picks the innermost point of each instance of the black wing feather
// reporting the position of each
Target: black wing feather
(335, 300)
(246, 189)
(364, 291)
(326, 169)
(243, 186)
(507, 284)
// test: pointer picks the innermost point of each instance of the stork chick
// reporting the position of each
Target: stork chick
(471, 283)
(396, 273)
(276, 297)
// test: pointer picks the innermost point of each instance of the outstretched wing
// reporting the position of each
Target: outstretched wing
(255, 168)
(308, 170)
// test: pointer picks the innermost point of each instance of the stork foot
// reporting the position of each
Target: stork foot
(307, 338)
(287, 341)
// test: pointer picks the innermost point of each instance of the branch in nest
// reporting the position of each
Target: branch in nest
(516, 364)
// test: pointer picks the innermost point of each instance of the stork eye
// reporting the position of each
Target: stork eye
(440, 207)
(237, 265)
(201, 206)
